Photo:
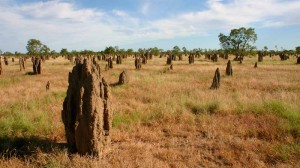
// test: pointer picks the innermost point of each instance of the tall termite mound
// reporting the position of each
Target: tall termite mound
(22, 63)
(0, 66)
(191, 58)
(138, 63)
(36, 65)
(216, 81)
(6, 60)
(87, 114)
(229, 68)
(260, 56)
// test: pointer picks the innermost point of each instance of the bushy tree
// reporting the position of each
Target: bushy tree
(238, 41)
(36, 47)
(110, 50)
(130, 51)
(64, 51)
(298, 50)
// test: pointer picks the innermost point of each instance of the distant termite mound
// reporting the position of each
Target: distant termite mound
(169, 60)
(191, 58)
(216, 81)
(123, 78)
(138, 63)
(6, 60)
(0, 66)
(48, 86)
(119, 60)
(260, 56)
(255, 65)
(36, 65)
(229, 68)
(87, 114)
(110, 63)
(22, 63)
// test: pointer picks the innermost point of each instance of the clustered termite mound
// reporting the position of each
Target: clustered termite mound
(87, 114)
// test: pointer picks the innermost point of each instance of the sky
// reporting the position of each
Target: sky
(96, 24)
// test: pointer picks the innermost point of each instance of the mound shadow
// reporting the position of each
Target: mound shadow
(23, 147)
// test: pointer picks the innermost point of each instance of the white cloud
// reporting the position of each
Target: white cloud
(145, 8)
(61, 24)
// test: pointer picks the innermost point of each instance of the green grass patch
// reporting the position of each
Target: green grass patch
(287, 151)
(10, 81)
(283, 110)
(121, 120)
(128, 120)
(210, 107)
(23, 119)
(291, 114)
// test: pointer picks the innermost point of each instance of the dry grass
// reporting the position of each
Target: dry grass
(162, 118)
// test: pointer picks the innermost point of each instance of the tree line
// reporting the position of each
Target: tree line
(240, 42)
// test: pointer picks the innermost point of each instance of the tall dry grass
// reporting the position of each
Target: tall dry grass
(162, 118)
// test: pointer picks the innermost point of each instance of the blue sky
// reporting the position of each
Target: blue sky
(95, 24)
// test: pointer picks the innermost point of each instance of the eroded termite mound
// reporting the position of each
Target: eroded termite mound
(87, 114)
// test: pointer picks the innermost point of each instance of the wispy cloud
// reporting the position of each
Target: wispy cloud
(63, 24)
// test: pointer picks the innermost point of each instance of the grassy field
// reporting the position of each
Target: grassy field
(162, 118)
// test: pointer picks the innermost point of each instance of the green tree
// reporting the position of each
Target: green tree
(185, 51)
(45, 50)
(130, 51)
(36, 47)
(238, 41)
(155, 51)
(53, 52)
(298, 50)
(110, 50)
(64, 51)
(176, 50)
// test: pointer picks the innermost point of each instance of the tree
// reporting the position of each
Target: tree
(185, 51)
(35, 47)
(155, 51)
(298, 50)
(45, 50)
(53, 52)
(176, 50)
(64, 51)
(110, 50)
(239, 41)
(130, 51)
